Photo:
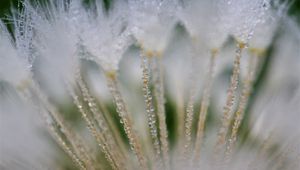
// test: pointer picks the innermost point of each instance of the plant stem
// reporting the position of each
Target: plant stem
(160, 101)
(152, 119)
(92, 128)
(58, 127)
(231, 98)
(205, 104)
(134, 143)
(119, 157)
(244, 98)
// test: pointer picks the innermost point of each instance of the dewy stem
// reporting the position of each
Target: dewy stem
(115, 151)
(161, 113)
(66, 148)
(114, 129)
(59, 127)
(205, 104)
(152, 119)
(189, 120)
(230, 100)
(244, 98)
(189, 116)
(125, 118)
(92, 128)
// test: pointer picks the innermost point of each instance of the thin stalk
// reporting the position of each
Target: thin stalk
(119, 157)
(107, 114)
(134, 143)
(189, 116)
(160, 102)
(146, 61)
(54, 128)
(64, 129)
(180, 115)
(231, 99)
(93, 130)
(205, 104)
(189, 120)
(66, 148)
(244, 98)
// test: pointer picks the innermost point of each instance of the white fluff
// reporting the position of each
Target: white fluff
(13, 68)
(152, 22)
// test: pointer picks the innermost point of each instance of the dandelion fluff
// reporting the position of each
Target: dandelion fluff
(13, 69)
(259, 130)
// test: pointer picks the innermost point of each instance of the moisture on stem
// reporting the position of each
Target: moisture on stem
(205, 104)
(98, 117)
(230, 100)
(68, 140)
(125, 118)
(146, 61)
(93, 129)
(160, 102)
(66, 148)
(244, 98)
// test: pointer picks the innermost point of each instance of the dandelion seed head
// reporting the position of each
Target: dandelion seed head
(13, 68)
(265, 30)
(241, 17)
(203, 21)
(152, 20)
(23, 33)
(56, 42)
(171, 108)
(106, 35)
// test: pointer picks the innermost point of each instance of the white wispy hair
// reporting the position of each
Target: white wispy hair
(55, 39)
(106, 35)
(266, 29)
(22, 134)
(152, 22)
(62, 33)
(14, 68)
(204, 22)
(242, 16)
(264, 32)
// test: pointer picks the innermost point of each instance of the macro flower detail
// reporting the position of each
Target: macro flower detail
(150, 84)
